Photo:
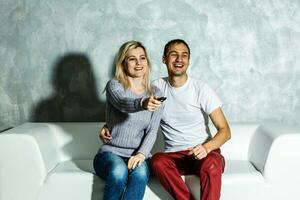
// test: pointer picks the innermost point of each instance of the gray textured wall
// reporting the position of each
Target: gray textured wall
(56, 56)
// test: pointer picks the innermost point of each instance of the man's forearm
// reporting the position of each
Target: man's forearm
(218, 140)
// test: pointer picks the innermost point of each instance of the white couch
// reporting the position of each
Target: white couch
(53, 161)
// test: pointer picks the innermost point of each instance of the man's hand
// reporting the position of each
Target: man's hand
(105, 135)
(135, 161)
(198, 151)
(151, 104)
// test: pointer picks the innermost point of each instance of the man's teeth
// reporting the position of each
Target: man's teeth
(178, 65)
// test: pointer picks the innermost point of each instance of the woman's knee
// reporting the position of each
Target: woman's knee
(110, 166)
(118, 174)
(141, 173)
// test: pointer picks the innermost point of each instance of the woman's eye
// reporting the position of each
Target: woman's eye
(143, 58)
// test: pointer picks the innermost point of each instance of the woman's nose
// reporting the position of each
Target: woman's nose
(138, 62)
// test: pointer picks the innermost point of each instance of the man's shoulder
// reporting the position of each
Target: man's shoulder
(160, 81)
(197, 83)
(156, 90)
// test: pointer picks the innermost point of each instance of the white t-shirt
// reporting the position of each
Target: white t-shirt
(185, 118)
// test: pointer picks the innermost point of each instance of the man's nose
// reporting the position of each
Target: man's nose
(179, 58)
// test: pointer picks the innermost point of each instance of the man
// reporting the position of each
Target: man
(190, 148)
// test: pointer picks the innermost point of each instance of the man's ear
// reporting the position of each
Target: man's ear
(164, 59)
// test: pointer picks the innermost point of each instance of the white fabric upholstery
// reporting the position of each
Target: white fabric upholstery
(43, 161)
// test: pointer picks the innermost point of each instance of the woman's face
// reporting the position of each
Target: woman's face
(136, 63)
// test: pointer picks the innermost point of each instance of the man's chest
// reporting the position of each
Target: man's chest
(182, 107)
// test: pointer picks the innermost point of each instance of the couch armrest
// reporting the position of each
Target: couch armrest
(21, 167)
(26, 156)
(275, 151)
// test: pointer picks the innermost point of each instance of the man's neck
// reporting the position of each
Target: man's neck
(178, 81)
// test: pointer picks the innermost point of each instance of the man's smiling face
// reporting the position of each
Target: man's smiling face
(177, 59)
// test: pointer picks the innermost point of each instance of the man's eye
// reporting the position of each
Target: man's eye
(143, 58)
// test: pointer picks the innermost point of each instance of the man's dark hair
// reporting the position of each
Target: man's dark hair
(175, 41)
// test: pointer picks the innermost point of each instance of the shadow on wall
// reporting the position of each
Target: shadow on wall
(75, 97)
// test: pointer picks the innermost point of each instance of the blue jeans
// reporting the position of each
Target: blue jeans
(121, 183)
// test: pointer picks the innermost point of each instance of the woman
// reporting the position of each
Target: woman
(132, 123)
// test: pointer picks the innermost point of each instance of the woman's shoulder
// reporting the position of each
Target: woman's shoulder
(113, 83)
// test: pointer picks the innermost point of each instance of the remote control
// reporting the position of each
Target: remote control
(161, 99)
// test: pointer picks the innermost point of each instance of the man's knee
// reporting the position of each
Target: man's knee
(212, 168)
(159, 161)
(213, 165)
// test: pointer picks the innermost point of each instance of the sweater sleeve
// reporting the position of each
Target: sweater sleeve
(115, 94)
(151, 131)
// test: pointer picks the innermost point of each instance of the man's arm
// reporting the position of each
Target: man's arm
(223, 131)
(223, 134)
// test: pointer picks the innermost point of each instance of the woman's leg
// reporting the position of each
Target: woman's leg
(137, 181)
(113, 170)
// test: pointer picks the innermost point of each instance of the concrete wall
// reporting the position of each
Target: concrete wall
(56, 56)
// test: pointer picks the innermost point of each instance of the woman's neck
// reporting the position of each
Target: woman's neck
(136, 85)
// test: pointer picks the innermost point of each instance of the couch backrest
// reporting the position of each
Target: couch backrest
(80, 140)
(237, 148)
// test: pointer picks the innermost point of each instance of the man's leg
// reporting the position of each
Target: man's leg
(210, 170)
(168, 168)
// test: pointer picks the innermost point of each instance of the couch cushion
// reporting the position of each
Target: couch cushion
(72, 180)
(238, 176)
(76, 180)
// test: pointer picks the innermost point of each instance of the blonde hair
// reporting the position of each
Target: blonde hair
(120, 73)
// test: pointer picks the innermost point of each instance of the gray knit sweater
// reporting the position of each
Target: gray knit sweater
(133, 129)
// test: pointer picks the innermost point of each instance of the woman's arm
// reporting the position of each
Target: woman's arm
(148, 141)
(115, 94)
(151, 132)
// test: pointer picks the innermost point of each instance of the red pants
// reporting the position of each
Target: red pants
(168, 168)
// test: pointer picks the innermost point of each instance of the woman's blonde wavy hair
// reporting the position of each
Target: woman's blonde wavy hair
(121, 74)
